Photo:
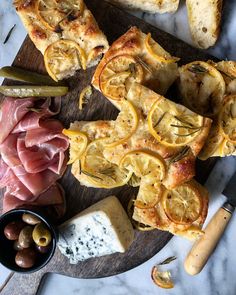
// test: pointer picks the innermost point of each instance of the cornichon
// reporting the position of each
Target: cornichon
(27, 91)
(19, 74)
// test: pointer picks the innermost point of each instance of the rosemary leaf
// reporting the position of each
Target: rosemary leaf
(159, 120)
(9, 34)
(197, 69)
(168, 260)
(185, 135)
(90, 175)
(144, 65)
(183, 121)
(227, 75)
(180, 155)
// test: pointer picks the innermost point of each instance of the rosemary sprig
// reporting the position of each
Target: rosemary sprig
(197, 69)
(144, 64)
(90, 175)
(180, 155)
(183, 121)
(168, 260)
(185, 135)
(58, 28)
(159, 120)
(9, 34)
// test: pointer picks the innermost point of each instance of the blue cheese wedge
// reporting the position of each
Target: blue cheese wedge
(102, 229)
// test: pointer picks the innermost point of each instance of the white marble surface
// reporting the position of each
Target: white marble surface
(218, 277)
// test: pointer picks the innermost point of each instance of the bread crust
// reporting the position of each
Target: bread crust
(157, 218)
(204, 20)
(132, 43)
(83, 30)
(151, 6)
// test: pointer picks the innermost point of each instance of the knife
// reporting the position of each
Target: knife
(204, 247)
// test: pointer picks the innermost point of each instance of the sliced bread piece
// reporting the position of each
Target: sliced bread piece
(204, 21)
(152, 6)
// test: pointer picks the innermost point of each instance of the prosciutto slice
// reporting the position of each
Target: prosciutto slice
(32, 149)
(12, 111)
(54, 196)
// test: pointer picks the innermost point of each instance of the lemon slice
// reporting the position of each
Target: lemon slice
(157, 52)
(202, 88)
(182, 204)
(162, 278)
(63, 57)
(172, 124)
(227, 119)
(78, 144)
(125, 125)
(117, 75)
(84, 96)
(53, 12)
(149, 194)
(143, 163)
(100, 171)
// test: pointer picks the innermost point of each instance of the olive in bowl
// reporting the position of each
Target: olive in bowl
(27, 240)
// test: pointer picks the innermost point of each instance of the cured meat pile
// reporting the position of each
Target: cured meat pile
(32, 151)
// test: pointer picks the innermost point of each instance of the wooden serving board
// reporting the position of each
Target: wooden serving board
(114, 22)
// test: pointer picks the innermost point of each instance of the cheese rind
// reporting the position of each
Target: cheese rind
(102, 229)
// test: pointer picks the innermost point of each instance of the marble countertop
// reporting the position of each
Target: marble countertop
(218, 277)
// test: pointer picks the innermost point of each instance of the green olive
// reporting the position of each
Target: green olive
(30, 219)
(41, 235)
(25, 237)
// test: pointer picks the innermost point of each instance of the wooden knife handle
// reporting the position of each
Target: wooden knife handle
(203, 248)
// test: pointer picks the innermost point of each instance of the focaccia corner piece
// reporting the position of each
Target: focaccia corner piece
(181, 211)
(202, 88)
(134, 57)
(221, 141)
(204, 20)
(152, 6)
(65, 32)
(227, 68)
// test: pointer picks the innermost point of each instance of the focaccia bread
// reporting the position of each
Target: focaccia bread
(109, 141)
(152, 6)
(202, 88)
(134, 57)
(65, 32)
(181, 211)
(228, 72)
(221, 141)
(204, 20)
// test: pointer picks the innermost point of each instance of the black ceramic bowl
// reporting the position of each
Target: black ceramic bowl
(7, 253)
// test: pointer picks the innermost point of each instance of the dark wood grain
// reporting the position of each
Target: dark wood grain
(114, 22)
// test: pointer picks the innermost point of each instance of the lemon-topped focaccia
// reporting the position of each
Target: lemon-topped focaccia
(221, 141)
(134, 57)
(181, 211)
(65, 32)
(169, 132)
(228, 72)
(202, 88)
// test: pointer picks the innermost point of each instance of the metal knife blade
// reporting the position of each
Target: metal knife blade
(230, 190)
